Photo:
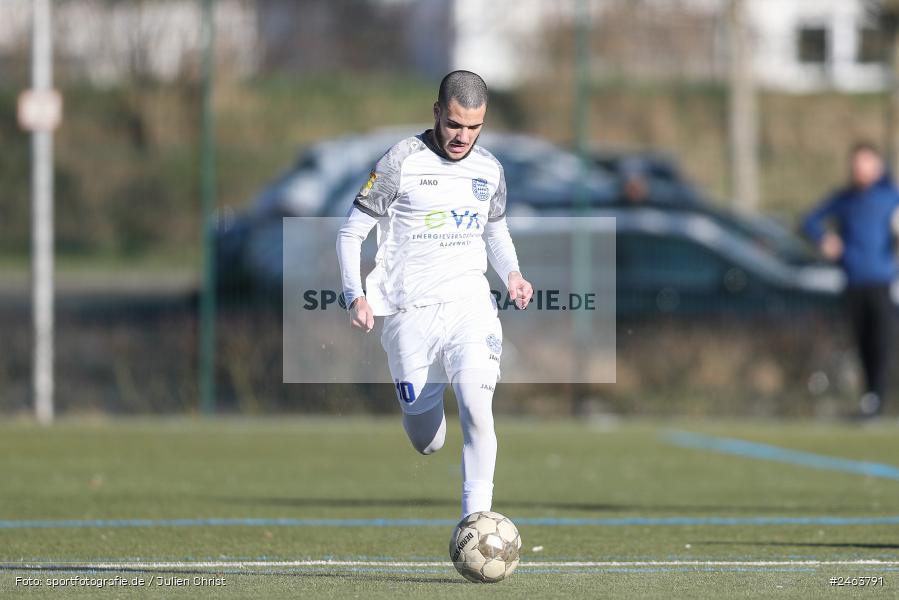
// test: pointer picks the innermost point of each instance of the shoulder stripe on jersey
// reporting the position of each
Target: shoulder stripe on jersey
(366, 209)
(382, 187)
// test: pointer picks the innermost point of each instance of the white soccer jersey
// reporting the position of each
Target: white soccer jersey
(432, 213)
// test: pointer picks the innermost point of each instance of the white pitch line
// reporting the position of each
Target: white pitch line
(368, 563)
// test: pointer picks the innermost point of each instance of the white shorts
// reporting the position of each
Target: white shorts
(429, 346)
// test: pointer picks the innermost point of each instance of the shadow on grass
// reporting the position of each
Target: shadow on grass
(862, 545)
(597, 507)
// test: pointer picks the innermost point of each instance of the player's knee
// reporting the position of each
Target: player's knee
(433, 446)
(427, 432)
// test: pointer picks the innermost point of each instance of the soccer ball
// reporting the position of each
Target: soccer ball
(484, 547)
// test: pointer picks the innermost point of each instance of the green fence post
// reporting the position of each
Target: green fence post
(208, 192)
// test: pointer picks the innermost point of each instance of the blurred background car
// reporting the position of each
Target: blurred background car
(703, 263)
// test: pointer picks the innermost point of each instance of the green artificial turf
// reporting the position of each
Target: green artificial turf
(315, 489)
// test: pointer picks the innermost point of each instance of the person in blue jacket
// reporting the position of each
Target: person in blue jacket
(857, 226)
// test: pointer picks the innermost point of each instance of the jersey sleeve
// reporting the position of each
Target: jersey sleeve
(349, 246)
(500, 249)
(383, 184)
(498, 201)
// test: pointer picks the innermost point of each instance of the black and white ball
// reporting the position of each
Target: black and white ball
(485, 547)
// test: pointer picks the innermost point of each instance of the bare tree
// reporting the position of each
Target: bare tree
(743, 112)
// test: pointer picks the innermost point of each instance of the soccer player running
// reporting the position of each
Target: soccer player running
(439, 201)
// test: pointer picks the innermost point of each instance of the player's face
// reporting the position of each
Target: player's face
(457, 128)
(866, 168)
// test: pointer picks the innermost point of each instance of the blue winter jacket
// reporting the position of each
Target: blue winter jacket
(863, 221)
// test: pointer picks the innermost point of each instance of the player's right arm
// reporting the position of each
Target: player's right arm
(371, 203)
(349, 248)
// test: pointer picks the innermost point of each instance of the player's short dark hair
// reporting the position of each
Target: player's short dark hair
(864, 146)
(465, 87)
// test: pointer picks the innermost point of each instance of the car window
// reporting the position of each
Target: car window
(771, 237)
(660, 261)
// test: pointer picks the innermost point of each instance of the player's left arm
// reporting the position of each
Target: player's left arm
(501, 249)
(504, 260)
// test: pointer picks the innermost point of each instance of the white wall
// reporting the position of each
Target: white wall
(775, 25)
(499, 39)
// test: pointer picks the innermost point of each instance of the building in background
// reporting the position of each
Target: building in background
(799, 45)
(807, 45)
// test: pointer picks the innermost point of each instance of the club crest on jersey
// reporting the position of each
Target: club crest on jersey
(479, 189)
(494, 344)
(367, 187)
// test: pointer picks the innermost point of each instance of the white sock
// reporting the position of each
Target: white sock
(477, 495)
(474, 395)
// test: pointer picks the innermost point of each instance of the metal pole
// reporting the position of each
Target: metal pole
(208, 193)
(42, 219)
(892, 145)
(582, 98)
(581, 251)
(743, 113)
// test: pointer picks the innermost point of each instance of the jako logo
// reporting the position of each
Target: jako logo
(428, 182)
(463, 220)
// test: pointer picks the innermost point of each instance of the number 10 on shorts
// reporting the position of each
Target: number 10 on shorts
(405, 391)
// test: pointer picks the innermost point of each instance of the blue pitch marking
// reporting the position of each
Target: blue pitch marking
(761, 451)
(554, 521)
